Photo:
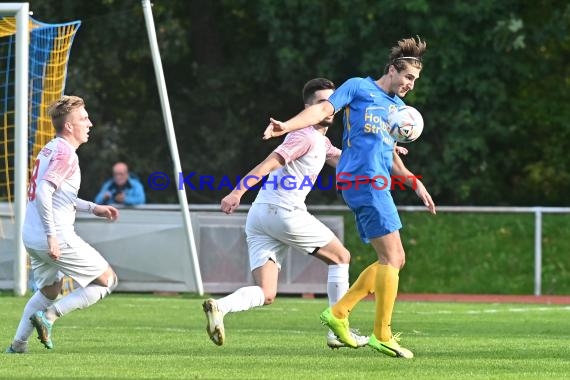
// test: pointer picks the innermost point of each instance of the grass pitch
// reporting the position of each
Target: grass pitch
(151, 337)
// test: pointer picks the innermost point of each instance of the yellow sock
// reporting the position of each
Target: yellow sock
(363, 286)
(386, 292)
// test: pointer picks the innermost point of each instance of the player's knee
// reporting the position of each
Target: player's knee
(52, 291)
(341, 257)
(112, 283)
(344, 257)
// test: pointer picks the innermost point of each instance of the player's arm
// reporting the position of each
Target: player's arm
(103, 211)
(333, 161)
(312, 115)
(333, 155)
(400, 150)
(255, 175)
(44, 205)
(401, 174)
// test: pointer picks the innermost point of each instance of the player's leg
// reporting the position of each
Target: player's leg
(391, 258)
(363, 286)
(338, 258)
(378, 222)
(95, 277)
(245, 298)
(48, 281)
(40, 300)
(84, 297)
(302, 231)
(248, 297)
(263, 253)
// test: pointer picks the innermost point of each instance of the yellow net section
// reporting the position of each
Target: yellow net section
(49, 52)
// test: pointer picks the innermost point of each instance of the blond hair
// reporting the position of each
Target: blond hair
(62, 107)
(407, 51)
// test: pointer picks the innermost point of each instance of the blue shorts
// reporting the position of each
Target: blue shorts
(374, 211)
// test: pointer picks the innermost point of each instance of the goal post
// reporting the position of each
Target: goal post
(20, 11)
(167, 115)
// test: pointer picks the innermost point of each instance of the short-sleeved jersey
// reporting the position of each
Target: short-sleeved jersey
(305, 152)
(57, 163)
(367, 147)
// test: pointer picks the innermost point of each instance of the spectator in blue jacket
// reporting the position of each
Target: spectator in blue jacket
(122, 189)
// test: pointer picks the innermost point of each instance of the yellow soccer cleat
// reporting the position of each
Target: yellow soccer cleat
(391, 347)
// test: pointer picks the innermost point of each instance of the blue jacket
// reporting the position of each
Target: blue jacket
(133, 190)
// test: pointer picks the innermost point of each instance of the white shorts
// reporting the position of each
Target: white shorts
(271, 230)
(81, 262)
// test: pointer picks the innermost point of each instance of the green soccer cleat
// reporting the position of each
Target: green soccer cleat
(215, 318)
(391, 347)
(43, 327)
(339, 327)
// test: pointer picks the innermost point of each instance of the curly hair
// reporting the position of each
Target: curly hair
(407, 51)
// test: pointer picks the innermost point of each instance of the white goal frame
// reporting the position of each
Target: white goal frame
(171, 136)
(21, 12)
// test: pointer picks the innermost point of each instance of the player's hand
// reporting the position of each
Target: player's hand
(274, 129)
(400, 150)
(53, 246)
(230, 203)
(109, 212)
(422, 192)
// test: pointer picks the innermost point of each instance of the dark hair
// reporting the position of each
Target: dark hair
(62, 107)
(315, 85)
(407, 51)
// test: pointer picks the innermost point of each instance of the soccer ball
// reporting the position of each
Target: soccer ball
(405, 124)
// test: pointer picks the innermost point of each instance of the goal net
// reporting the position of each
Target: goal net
(48, 54)
(50, 45)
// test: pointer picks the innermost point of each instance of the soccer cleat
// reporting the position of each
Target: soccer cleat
(333, 342)
(339, 327)
(215, 326)
(43, 327)
(391, 347)
(12, 350)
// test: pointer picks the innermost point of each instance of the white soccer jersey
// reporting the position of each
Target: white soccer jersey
(57, 163)
(305, 152)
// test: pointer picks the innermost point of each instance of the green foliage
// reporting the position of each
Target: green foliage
(473, 253)
(493, 90)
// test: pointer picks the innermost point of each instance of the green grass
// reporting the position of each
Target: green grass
(150, 337)
(474, 253)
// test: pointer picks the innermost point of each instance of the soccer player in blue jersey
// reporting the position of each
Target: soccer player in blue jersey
(368, 151)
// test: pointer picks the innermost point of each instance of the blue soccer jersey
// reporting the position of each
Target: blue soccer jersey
(367, 147)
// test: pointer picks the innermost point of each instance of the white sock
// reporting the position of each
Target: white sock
(337, 282)
(242, 299)
(79, 299)
(36, 303)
